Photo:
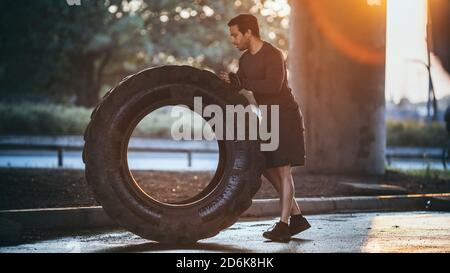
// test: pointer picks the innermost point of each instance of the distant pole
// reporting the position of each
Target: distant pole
(60, 156)
(431, 93)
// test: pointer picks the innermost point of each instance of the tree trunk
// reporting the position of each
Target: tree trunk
(88, 85)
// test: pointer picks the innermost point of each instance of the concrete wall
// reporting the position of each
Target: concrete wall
(337, 73)
(440, 28)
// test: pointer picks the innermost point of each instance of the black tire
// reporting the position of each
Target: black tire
(230, 193)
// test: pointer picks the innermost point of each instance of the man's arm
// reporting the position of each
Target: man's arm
(274, 75)
(240, 73)
(235, 79)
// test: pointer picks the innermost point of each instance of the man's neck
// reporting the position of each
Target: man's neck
(255, 45)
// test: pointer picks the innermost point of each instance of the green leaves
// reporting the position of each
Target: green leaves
(59, 51)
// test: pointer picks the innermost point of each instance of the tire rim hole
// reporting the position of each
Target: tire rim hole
(170, 171)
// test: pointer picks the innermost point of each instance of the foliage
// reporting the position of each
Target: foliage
(415, 134)
(53, 51)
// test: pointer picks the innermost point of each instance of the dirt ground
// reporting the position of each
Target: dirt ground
(46, 188)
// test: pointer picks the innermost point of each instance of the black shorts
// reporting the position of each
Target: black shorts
(291, 149)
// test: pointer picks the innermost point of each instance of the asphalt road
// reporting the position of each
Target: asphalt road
(361, 232)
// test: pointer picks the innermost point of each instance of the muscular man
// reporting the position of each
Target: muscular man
(262, 70)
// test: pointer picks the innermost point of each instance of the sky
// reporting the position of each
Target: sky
(406, 54)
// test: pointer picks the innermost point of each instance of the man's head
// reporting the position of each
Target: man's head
(242, 28)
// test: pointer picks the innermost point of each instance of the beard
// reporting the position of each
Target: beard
(243, 46)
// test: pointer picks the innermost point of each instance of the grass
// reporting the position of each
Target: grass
(426, 173)
(58, 119)
(415, 134)
(42, 119)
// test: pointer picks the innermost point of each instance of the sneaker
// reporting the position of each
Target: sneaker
(297, 224)
(278, 233)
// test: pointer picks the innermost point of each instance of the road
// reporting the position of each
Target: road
(155, 161)
(362, 232)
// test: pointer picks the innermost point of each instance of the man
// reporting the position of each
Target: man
(262, 70)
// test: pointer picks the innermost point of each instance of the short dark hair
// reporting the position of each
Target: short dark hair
(245, 22)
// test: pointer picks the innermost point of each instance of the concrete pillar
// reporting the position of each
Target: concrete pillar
(337, 73)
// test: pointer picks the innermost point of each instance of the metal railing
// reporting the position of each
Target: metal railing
(412, 153)
(391, 153)
(61, 148)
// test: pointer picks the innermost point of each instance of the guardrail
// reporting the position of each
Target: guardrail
(391, 153)
(413, 153)
(61, 148)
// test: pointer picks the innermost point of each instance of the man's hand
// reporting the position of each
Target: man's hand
(232, 79)
(235, 81)
(224, 76)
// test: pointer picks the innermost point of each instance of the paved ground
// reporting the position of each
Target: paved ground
(362, 232)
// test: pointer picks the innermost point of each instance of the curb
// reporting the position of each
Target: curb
(415, 202)
(13, 222)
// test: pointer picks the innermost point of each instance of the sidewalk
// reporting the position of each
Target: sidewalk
(361, 232)
(14, 222)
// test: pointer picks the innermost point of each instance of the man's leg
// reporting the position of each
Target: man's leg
(272, 175)
(281, 230)
(287, 192)
(284, 183)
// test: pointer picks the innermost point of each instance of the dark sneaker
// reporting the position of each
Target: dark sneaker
(297, 224)
(278, 233)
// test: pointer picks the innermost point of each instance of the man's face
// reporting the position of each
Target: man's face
(239, 40)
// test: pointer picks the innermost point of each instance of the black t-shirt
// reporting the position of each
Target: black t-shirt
(265, 74)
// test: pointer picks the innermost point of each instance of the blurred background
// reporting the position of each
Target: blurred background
(59, 58)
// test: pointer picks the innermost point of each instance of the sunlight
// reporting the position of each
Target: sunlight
(374, 2)
(406, 50)
(331, 27)
(272, 8)
(280, 7)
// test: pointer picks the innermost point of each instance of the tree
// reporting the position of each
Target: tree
(59, 51)
(55, 49)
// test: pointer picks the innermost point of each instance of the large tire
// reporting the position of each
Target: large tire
(217, 207)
